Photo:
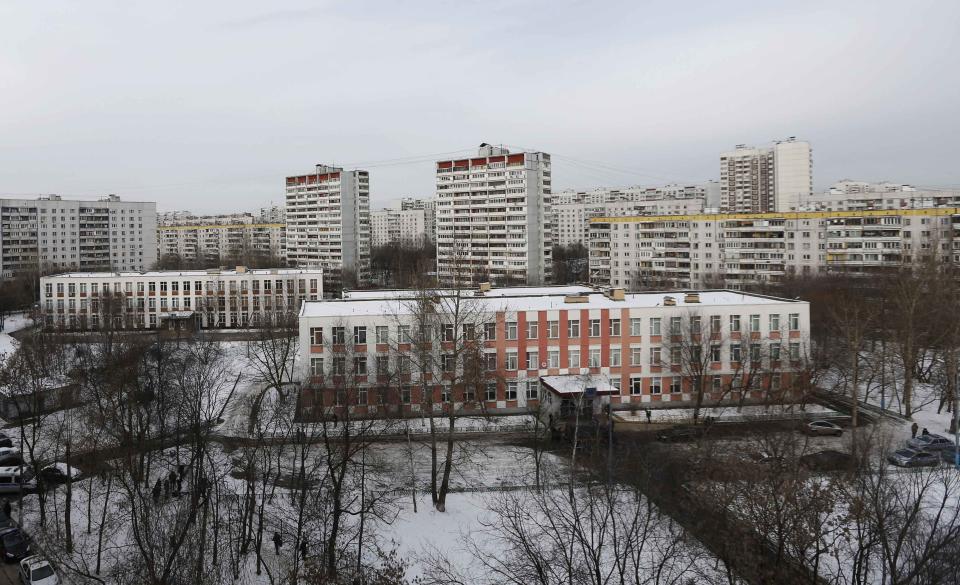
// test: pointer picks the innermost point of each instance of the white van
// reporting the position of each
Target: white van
(15, 479)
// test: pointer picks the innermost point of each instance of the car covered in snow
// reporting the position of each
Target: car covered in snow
(931, 442)
(35, 570)
(913, 458)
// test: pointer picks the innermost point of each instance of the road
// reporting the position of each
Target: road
(8, 574)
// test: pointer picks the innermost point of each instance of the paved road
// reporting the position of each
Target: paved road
(8, 574)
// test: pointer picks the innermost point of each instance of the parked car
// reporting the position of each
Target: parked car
(14, 544)
(680, 434)
(37, 571)
(930, 442)
(822, 427)
(828, 460)
(15, 479)
(56, 473)
(6, 442)
(10, 456)
(913, 458)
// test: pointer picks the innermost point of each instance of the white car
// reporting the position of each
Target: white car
(37, 571)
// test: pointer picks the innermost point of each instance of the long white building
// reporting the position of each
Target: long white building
(743, 250)
(761, 180)
(328, 222)
(859, 195)
(174, 299)
(493, 217)
(549, 344)
(52, 233)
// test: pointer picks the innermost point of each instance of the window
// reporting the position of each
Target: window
(795, 351)
(361, 396)
(316, 336)
(403, 364)
(447, 333)
(533, 389)
(675, 355)
(533, 360)
(469, 331)
(360, 366)
(594, 327)
(675, 385)
(654, 356)
(695, 325)
(490, 331)
(511, 329)
(445, 393)
(339, 335)
(339, 366)
(615, 327)
(573, 328)
(655, 326)
(715, 324)
(448, 362)
(512, 360)
(403, 333)
(794, 321)
(533, 329)
(774, 352)
(636, 356)
(735, 352)
(755, 353)
(715, 353)
(553, 329)
(717, 383)
(360, 335)
(615, 357)
(573, 358)
(383, 365)
(511, 391)
(675, 325)
(491, 359)
(490, 391)
(635, 327)
(383, 334)
(593, 358)
(773, 321)
(316, 366)
(636, 385)
(754, 323)
(405, 394)
(655, 385)
(553, 358)
(734, 322)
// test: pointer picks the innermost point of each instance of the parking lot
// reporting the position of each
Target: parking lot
(8, 574)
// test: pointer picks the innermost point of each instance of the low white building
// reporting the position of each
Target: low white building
(355, 352)
(168, 299)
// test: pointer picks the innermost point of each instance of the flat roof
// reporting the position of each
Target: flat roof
(170, 273)
(544, 301)
(514, 291)
(574, 384)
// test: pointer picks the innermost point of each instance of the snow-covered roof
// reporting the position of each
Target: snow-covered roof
(174, 273)
(574, 384)
(538, 301)
(515, 291)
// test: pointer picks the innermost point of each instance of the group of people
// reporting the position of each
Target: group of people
(913, 431)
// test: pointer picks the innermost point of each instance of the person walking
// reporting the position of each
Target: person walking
(647, 410)
(913, 430)
(277, 542)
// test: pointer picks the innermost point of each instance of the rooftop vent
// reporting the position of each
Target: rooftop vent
(616, 294)
(241, 269)
(691, 297)
(576, 299)
(669, 301)
(485, 287)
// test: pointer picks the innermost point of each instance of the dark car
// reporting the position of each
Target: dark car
(14, 544)
(57, 474)
(828, 460)
(912, 458)
(680, 434)
(6, 442)
(949, 455)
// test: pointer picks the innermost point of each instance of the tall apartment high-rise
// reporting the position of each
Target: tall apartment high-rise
(328, 222)
(50, 233)
(761, 180)
(493, 218)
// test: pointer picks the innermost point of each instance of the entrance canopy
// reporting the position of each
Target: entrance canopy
(573, 385)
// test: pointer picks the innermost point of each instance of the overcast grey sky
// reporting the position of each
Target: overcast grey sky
(208, 105)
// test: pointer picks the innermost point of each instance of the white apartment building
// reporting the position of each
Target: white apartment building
(549, 344)
(761, 180)
(51, 233)
(743, 250)
(214, 239)
(858, 195)
(328, 222)
(176, 299)
(412, 225)
(493, 217)
(572, 211)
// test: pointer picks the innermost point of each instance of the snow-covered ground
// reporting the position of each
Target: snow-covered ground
(11, 323)
(727, 413)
